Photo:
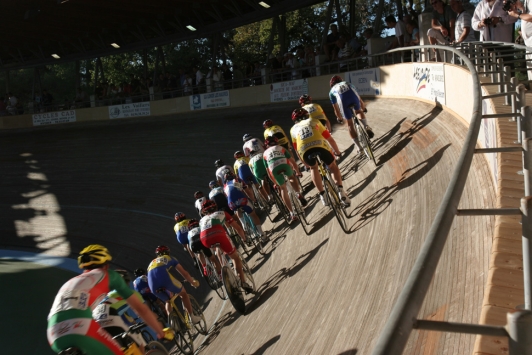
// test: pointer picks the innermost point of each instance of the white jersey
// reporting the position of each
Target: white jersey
(220, 173)
(198, 204)
(253, 144)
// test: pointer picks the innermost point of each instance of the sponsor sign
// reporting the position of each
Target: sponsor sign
(429, 82)
(41, 119)
(130, 110)
(367, 81)
(210, 100)
(288, 90)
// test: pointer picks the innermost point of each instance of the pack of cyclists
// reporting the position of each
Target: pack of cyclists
(100, 298)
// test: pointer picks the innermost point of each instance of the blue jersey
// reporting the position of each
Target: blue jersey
(234, 191)
(140, 284)
(345, 95)
(218, 196)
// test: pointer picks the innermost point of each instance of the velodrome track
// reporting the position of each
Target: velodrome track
(119, 183)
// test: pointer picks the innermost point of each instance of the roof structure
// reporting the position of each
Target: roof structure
(34, 30)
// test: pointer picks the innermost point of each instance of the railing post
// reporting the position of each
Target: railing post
(513, 87)
(500, 74)
(507, 76)
(520, 106)
(519, 328)
(494, 67)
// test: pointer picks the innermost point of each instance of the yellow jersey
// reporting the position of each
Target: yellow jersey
(309, 133)
(315, 112)
(239, 163)
(276, 131)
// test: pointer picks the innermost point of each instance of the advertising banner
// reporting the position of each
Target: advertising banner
(288, 90)
(367, 81)
(429, 82)
(210, 100)
(130, 110)
(41, 119)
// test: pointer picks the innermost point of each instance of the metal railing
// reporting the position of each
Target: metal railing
(481, 58)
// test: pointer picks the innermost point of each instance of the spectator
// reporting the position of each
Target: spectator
(249, 69)
(187, 85)
(368, 33)
(145, 89)
(462, 26)
(330, 48)
(80, 99)
(227, 75)
(401, 37)
(310, 60)
(217, 78)
(47, 100)
(344, 53)
(520, 11)
(135, 85)
(442, 25)
(200, 79)
(12, 104)
(238, 76)
(413, 32)
(257, 74)
(500, 28)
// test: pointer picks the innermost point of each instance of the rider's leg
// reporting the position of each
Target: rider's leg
(336, 175)
(238, 229)
(216, 263)
(238, 266)
(316, 178)
(186, 301)
(286, 198)
(256, 220)
(294, 165)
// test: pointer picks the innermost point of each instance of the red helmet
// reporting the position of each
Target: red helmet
(179, 216)
(229, 176)
(271, 141)
(162, 250)
(335, 80)
(267, 123)
(299, 114)
(198, 194)
(193, 223)
(208, 207)
(305, 99)
(238, 154)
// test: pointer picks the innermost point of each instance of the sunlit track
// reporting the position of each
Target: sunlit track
(327, 293)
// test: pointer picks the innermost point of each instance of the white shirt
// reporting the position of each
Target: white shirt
(400, 30)
(501, 33)
(526, 26)
(199, 77)
(463, 20)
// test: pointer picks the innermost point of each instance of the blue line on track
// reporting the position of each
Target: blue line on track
(53, 261)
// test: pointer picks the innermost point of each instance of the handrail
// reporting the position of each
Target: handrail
(402, 319)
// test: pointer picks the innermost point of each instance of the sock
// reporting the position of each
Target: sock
(322, 193)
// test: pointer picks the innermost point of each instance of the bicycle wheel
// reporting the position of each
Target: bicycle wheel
(214, 281)
(281, 206)
(183, 338)
(201, 327)
(335, 203)
(263, 204)
(155, 348)
(300, 211)
(248, 274)
(366, 143)
(253, 233)
(236, 296)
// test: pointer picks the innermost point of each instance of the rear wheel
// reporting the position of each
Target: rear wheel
(155, 348)
(335, 203)
(233, 290)
(300, 211)
(201, 327)
(366, 143)
(253, 233)
(281, 206)
(183, 337)
(213, 280)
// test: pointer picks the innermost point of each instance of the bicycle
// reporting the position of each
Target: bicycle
(363, 137)
(251, 231)
(296, 204)
(232, 284)
(332, 193)
(213, 279)
(236, 239)
(279, 201)
(261, 201)
(132, 342)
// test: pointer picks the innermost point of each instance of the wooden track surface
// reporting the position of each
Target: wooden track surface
(119, 183)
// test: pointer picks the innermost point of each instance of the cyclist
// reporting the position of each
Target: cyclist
(181, 232)
(197, 247)
(140, 284)
(221, 170)
(310, 137)
(212, 232)
(218, 196)
(162, 278)
(273, 130)
(70, 322)
(198, 195)
(252, 145)
(233, 189)
(343, 96)
(243, 171)
(112, 313)
(314, 111)
(276, 158)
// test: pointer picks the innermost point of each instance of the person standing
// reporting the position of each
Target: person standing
(462, 26)
(499, 27)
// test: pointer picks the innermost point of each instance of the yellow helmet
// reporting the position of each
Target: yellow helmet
(93, 255)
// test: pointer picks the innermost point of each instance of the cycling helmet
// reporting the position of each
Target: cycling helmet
(198, 194)
(229, 176)
(162, 250)
(305, 99)
(267, 123)
(335, 80)
(213, 184)
(208, 207)
(93, 256)
(299, 114)
(179, 216)
(193, 223)
(125, 275)
(139, 272)
(219, 163)
(238, 154)
(247, 137)
(271, 141)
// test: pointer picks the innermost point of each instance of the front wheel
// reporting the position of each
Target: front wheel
(155, 348)
(366, 143)
(300, 211)
(335, 203)
(253, 233)
(182, 339)
(201, 327)
(233, 290)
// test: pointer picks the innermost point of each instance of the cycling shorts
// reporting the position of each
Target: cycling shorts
(241, 203)
(83, 333)
(197, 247)
(325, 155)
(220, 237)
(163, 283)
(279, 178)
(245, 174)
